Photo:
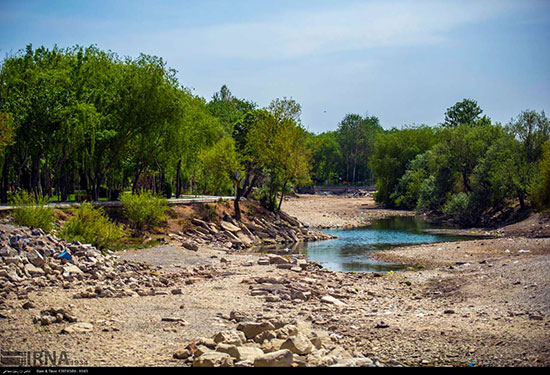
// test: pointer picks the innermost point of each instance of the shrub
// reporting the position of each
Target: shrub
(90, 225)
(144, 208)
(457, 205)
(32, 212)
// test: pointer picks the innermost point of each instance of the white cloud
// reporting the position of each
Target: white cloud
(350, 27)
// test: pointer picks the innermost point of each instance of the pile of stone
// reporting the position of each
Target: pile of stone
(277, 289)
(232, 234)
(269, 342)
(51, 316)
(30, 259)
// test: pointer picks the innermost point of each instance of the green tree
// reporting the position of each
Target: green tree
(356, 137)
(533, 130)
(393, 150)
(539, 189)
(278, 143)
(465, 112)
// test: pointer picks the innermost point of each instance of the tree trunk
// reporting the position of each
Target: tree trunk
(63, 183)
(5, 182)
(282, 196)
(466, 182)
(178, 180)
(521, 197)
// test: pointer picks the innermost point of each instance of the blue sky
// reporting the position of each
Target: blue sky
(405, 62)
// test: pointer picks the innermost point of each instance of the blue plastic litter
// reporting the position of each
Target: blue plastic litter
(472, 364)
(65, 255)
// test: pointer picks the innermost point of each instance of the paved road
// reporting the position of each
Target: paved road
(186, 200)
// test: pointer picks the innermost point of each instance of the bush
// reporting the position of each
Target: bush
(144, 208)
(90, 225)
(457, 205)
(427, 193)
(32, 212)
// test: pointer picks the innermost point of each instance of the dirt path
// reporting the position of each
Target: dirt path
(479, 303)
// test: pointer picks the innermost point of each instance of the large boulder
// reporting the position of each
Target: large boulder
(298, 344)
(213, 359)
(230, 337)
(279, 358)
(245, 353)
(251, 329)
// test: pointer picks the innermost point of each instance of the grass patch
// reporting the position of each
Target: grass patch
(32, 212)
(93, 226)
(144, 209)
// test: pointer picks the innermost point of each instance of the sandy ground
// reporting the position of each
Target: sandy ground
(478, 303)
(333, 211)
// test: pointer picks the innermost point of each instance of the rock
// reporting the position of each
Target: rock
(47, 320)
(354, 362)
(189, 246)
(176, 291)
(244, 364)
(279, 358)
(35, 258)
(182, 353)
(230, 337)
(245, 353)
(225, 348)
(229, 227)
(277, 259)
(200, 350)
(238, 316)
(264, 262)
(286, 331)
(213, 359)
(298, 344)
(78, 328)
(28, 305)
(332, 300)
(266, 335)
(72, 269)
(33, 270)
(269, 346)
(251, 329)
(286, 266)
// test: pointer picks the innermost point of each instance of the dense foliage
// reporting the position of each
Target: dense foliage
(87, 122)
(466, 168)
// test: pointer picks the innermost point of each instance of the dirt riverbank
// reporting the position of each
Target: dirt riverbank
(469, 303)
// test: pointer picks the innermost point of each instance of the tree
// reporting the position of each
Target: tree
(533, 130)
(277, 142)
(465, 112)
(326, 157)
(227, 108)
(539, 189)
(247, 178)
(356, 136)
(393, 150)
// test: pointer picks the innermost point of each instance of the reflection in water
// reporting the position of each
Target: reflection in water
(350, 251)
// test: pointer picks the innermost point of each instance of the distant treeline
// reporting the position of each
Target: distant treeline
(468, 167)
(83, 120)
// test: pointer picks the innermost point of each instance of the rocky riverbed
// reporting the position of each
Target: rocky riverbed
(472, 303)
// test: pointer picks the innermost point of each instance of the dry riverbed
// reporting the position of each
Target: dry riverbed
(480, 303)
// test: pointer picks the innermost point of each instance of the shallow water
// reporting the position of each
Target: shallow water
(351, 250)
